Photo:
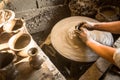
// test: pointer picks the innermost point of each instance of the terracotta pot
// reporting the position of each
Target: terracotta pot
(35, 59)
(21, 42)
(7, 68)
(5, 36)
(15, 25)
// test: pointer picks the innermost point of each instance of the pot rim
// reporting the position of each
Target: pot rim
(9, 28)
(11, 17)
(13, 40)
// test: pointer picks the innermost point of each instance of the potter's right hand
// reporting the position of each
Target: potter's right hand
(83, 34)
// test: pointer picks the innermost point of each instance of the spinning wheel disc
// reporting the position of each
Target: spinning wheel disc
(70, 46)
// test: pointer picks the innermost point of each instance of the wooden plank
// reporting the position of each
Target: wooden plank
(46, 72)
(113, 72)
(96, 70)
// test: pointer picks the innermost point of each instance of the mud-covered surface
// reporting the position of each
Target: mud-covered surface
(41, 25)
(46, 3)
(109, 2)
(46, 18)
(89, 7)
(83, 7)
(22, 5)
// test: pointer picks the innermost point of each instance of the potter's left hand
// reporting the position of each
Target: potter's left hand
(83, 34)
(86, 24)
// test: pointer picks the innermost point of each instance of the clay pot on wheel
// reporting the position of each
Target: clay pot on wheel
(7, 68)
(107, 13)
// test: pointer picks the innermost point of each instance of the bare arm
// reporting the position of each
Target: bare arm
(113, 27)
(104, 51)
(100, 49)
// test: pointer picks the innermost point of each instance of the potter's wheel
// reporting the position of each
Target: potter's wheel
(70, 46)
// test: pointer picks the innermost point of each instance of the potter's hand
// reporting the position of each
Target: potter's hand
(86, 24)
(83, 34)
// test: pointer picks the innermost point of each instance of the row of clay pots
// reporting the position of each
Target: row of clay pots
(15, 39)
(14, 33)
(7, 57)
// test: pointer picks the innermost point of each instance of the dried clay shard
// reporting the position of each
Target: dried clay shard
(70, 45)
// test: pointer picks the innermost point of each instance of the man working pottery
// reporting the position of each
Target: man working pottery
(109, 53)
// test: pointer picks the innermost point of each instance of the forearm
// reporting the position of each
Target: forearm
(113, 27)
(102, 50)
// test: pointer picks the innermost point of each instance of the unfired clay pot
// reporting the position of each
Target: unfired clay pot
(35, 59)
(21, 42)
(14, 25)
